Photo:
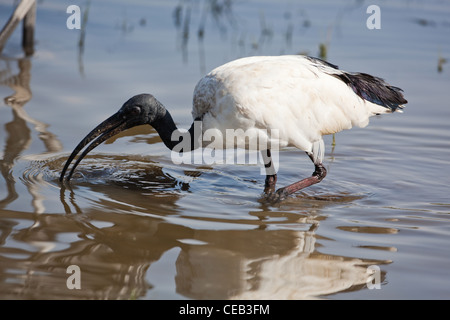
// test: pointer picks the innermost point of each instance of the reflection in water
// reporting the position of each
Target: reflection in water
(188, 15)
(18, 134)
(132, 224)
(221, 12)
(115, 176)
(274, 264)
(126, 229)
(81, 41)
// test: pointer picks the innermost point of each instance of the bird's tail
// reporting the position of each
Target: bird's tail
(374, 89)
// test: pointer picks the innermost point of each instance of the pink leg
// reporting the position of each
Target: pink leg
(319, 173)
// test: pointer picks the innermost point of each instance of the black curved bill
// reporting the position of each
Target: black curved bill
(105, 130)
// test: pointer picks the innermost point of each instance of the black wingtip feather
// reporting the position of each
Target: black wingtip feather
(374, 89)
(367, 87)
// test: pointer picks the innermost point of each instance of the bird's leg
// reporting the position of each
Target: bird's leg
(271, 176)
(319, 173)
(271, 181)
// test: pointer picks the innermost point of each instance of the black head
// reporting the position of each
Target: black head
(140, 109)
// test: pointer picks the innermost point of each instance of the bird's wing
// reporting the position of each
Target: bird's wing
(366, 86)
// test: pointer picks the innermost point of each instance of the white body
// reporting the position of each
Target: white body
(290, 95)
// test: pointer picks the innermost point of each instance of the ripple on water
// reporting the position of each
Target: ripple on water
(225, 184)
(224, 196)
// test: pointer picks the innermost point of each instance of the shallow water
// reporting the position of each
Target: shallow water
(140, 227)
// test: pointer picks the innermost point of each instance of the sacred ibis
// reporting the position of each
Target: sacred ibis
(301, 97)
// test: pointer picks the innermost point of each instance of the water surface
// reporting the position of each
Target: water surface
(140, 227)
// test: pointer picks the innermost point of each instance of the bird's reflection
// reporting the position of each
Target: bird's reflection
(18, 133)
(119, 230)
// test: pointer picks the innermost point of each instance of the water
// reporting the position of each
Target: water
(140, 227)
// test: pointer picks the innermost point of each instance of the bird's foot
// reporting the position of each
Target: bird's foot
(277, 196)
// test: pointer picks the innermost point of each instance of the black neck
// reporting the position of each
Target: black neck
(173, 138)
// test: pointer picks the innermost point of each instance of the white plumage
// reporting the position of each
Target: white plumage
(296, 95)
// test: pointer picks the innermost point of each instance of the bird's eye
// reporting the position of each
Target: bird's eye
(135, 111)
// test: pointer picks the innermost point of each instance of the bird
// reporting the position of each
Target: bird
(301, 98)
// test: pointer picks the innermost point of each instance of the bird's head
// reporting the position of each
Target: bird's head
(138, 110)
